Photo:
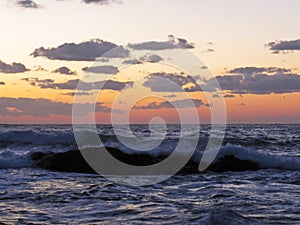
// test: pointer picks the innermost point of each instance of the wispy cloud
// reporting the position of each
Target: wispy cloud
(41, 107)
(172, 43)
(99, 2)
(72, 84)
(29, 4)
(184, 103)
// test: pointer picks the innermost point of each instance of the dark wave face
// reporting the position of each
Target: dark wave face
(253, 180)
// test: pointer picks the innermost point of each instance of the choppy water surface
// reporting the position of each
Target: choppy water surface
(267, 196)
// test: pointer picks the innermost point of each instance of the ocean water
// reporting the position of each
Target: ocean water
(271, 195)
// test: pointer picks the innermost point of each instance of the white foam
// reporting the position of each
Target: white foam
(264, 160)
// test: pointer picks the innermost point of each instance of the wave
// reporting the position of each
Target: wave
(230, 158)
(225, 216)
(36, 137)
(264, 160)
(66, 137)
(9, 159)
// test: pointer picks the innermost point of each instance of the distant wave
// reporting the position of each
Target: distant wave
(36, 138)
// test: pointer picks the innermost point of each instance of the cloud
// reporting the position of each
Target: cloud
(28, 4)
(39, 68)
(153, 45)
(172, 43)
(100, 2)
(84, 51)
(132, 61)
(150, 57)
(284, 46)
(40, 107)
(12, 68)
(65, 71)
(180, 42)
(184, 103)
(2, 83)
(170, 96)
(260, 81)
(163, 82)
(78, 93)
(72, 84)
(210, 50)
(101, 69)
(254, 70)
(153, 58)
(228, 96)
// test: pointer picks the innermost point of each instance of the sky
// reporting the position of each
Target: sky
(124, 53)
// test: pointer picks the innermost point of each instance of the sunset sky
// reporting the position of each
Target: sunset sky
(251, 47)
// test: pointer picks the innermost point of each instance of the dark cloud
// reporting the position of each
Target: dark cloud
(170, 96)
(84, 51)
(260, 81)
(185, 103)
(208, 105)
(28, 4)
(180, 42)
(78, 93)
(172, 43)
(284, 46)
(41, 107)
(153, 58)
(72, 84)
(254, 70)
(100, 2)
(160, 82)
(101, 69)
(2, 83)
(228, 96)
(12, 68)
(132, 61)
(150, 57)
(65, 71)
(153, 45)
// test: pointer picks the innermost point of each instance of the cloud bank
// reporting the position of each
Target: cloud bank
(256, 80)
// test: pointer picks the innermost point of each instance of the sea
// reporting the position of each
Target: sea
(269, 195)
